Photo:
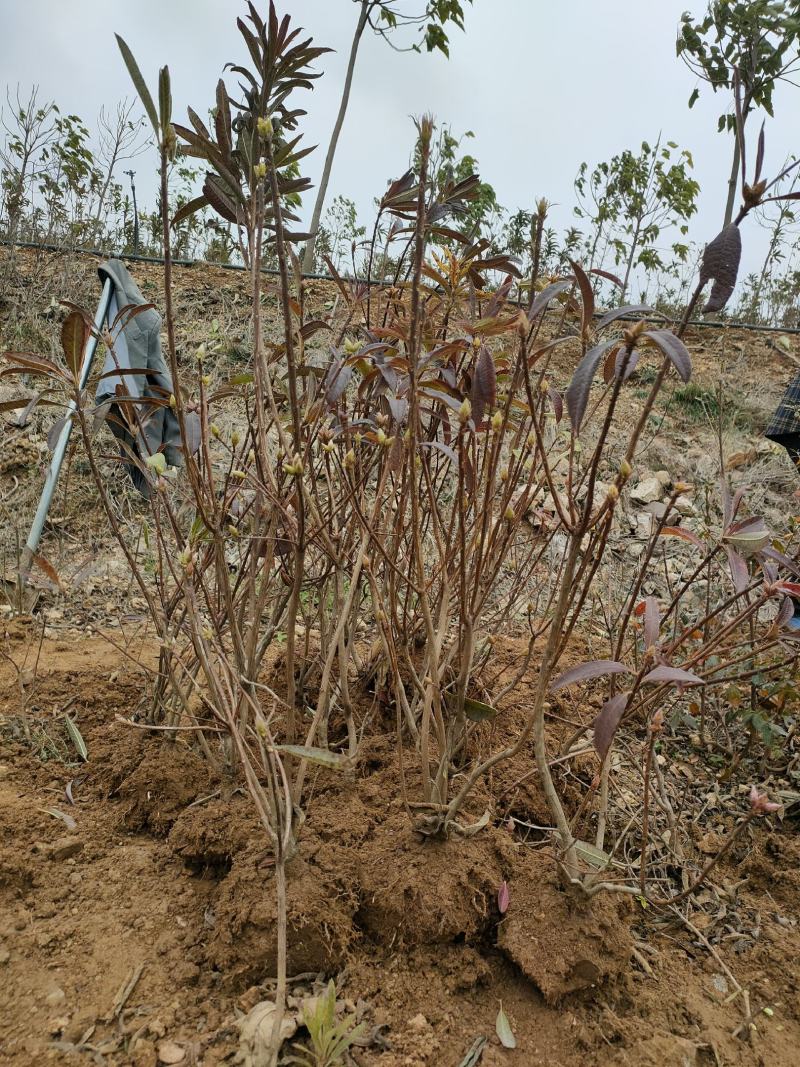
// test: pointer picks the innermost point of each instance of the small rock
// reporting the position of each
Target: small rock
(720, 983)
(419, 1022)
(75, 878)
(664, 477)
(765, 447)
(169, 1052)
(647, 490)
(65, 848)
(657, 508)
(5, 770)
(644, 526)
(5, 955)
(55, 997)
(685, 506)
(710, 843)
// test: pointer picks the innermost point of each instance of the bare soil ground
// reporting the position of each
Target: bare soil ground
(152, 878)
(136, 899)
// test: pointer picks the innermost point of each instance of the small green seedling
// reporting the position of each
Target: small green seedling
(330, 1039)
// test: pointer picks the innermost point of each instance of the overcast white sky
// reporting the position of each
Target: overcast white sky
(543, 85)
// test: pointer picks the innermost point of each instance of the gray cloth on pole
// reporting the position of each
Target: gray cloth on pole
(137, 347)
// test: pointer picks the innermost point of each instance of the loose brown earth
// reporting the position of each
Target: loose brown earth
(155, 876)
(165, 874)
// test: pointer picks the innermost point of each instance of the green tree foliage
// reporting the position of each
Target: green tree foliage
(631, 200)
(432, 22)
(756, 40)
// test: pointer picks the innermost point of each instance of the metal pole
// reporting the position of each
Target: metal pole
(63, 439)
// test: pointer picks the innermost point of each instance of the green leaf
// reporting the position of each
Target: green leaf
(76, 738)
(477, 711)
(157, 462)
(199, 531)
(504, 1031)
(321, 756)
(139, 82)
(592, 855)
(188, 209)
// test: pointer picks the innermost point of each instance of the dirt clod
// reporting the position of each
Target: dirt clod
(562, 945)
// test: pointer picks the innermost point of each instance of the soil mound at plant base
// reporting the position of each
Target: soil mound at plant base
(561, 944)
(166, 780)
(207, 836)
(417, 891)
(320, 917)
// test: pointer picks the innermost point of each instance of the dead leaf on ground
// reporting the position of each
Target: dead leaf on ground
(255, 1033)
(68, 821)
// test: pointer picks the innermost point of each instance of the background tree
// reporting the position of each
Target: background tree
(29, 129)
(768, 295)
(338, 233)
(636, 197)
(760, 39)
(481, 214)
(122, 135)
(384, 17)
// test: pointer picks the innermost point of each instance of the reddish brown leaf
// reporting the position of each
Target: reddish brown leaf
(48, 569)
(625, 364)
(676, 676)
(585, 672)
(608, 276)
(791, 565)
(679, 531)
(54, 432)
(738, 569)
(541, 300)
(652, 621)
(577, 394)
(785, 613)
(623, 312)
(674, 349)
(587, 296)
(73, 341)
(610, 364)
(607, 721)
(557, 402)
(484, 384)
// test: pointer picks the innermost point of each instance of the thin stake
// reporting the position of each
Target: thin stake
(63, 439)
